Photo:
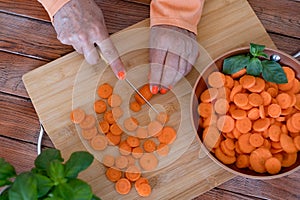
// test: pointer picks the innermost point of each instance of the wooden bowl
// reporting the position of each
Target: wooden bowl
(201, 85)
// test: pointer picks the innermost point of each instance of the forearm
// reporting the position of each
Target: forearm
(52, 6)
(184, 14)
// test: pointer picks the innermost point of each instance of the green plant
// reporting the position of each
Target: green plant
(256, 64)
(50, 179)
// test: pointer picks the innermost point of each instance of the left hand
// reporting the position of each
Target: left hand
(173, 52)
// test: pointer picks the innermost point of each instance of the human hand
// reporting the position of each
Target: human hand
(173, 52)
(81, 24)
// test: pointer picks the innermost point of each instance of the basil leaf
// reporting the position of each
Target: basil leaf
(63, 191)
(254, 68)
(262, 54)
(234, 64)
(95, 198)
(44, 184)
(6, 171)
(256, 49)
(24, 187)
(78, 162)
(48, 155)
(81, 190)
(273, 72)
(56, 172)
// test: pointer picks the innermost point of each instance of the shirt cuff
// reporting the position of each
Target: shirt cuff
(52, 6)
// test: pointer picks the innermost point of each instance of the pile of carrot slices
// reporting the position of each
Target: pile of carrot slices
(138, 150)
(251, 123)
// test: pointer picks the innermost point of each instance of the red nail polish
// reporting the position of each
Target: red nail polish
(154, 89)
(163, 91)
(121, 75)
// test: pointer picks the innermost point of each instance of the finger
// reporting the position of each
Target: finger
(111, 56)
(182, 71)
(170, 71)
(157, 59)
(91, 55)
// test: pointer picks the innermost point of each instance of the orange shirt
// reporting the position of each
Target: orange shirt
(181, 13)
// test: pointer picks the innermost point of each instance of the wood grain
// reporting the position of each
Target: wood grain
(287, 44)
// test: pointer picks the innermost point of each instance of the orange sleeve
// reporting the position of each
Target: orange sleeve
(184, 14)
(52, 6)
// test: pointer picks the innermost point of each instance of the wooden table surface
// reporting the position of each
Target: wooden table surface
(28, 40)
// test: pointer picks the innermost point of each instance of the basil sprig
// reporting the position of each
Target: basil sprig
(256, 64)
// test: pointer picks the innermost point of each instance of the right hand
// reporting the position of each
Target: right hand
(81, 24)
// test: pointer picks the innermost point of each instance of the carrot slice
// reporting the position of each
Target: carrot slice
(239, 73)
(274, 110)
(224, 92)
(77, 116)
(209, 95)
(297, 142)
(225, 123)
(261, 124)
(221, 106)
(253, 114)
(115, 129)
(100, 106)
(229, 82)
(131, 124)
(225, 150)
(288, 159)
(103, 127)
(105, 90)
(284, 100)
(147, 94)
(99, 142)
(141, 180)
(266, 98)
(168, 135)
(89, 133)
(243, 125)
(108, 116)
(117, 112)
(287, 144)
(247, 81)
(295, 120)
(236, 133)
(108, 160)
(272, 91)
(144, 190)
(205, 109)
(241, 99)
(216, 79)
(131, 160)
(113, 174)
(255, 99)
(121, 162)
(242, 161)
(262, 112)
(290, 75)
(149, 146)
(141, 132)
(135, 106)
(235, 90)
(162, 117)
(259, 85)
(114, 100)
(295, 88)
(163, 149)
(244, 143)
(148, 161)
(113, 139)
(274, 132)
(211, 120)
(273, 165)
(211, 137)
(123, 186)
(238, 114)
(256, 140)
(137, 152)
(154, 127)
(258, 158)
(124, 148)
(88, 122)
(133, 173)
(132, 141)
(227, 160)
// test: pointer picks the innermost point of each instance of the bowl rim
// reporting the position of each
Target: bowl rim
(202, 145)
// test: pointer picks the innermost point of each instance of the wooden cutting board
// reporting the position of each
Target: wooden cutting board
(69, 82)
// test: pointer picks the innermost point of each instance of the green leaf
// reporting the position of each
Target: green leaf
(4, 194)
(273, 72)
(254, 68)
(256, 49)
(6, 171)
(95, 198)
(78, 162)
(63, 191)
(44, 184)
(48, 155)
(234, 64)
(262, 54)
(56, 172)
(81, 190)
(24, 187)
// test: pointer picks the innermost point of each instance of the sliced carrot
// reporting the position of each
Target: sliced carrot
(131, 124)
(244, 143)
(88, 122)
(163, 149)
(247, 107)
(144, 190)
(238, 114)
(104, 126)
(266, 98)
(211, 120)
(290, 75)
(133, 173)
(123, 186)
(242, 161)
(297, 105)
(241, 99)
(133, 141)
(272, 91)
(243, 125)
(211, 137)
(108, 116)
(117, 112)
(274, 110)
(168, 135)
(147, 94)
(295, 120)
(255, 99)
(267, 144)
(235, 90)
(124, 148)
(262, 112)
(273, 165)
(113, 174)
(236, 133)
(293, 99)
(227, 160)
(135, 106)
(114, 100)
(284, 129)
(259, 85)
(258, 158)
(290, 126)
(297, 142)
(225, 150)
(224, 92)
(239, 73)
(89, 133)
(121, 162)
(162, 117)
(77, 116)
(274, 132)
(256, 139)
(279, 156)
(225, 123)
(216, 79)
(229, 82)
(141, 132)
(115, 129)
(288, 159)
(295, 88)
(209, 95)
(141, 180)
(253, 114)
(287, 144)
(137, 152)
(108, 160)
(131, 160)
(221, 106)
(148, 161)
(284, 100)
(100, 106)
(229, 143)
(105, 90)
(261, 124)
(237, 149)
(99, 142)
(276, 145)
(154, 127)
(247, 81)
(205, 109)
(113, 139)
(149, 146)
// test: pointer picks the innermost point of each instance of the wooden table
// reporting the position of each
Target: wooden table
(28, 40)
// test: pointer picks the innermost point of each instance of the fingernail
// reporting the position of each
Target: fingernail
(154, 89)
(163, 91)
(170, 87)
(121, 75)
